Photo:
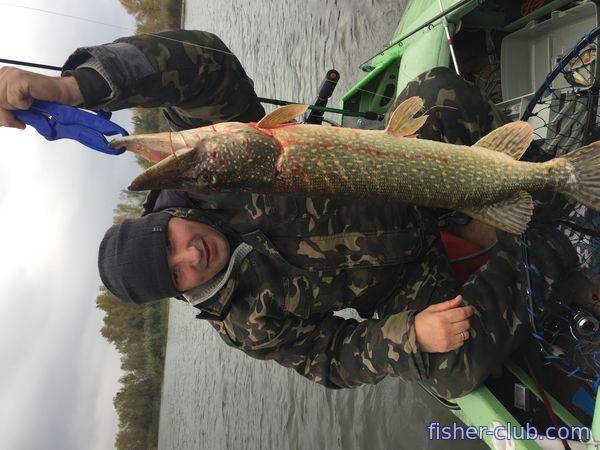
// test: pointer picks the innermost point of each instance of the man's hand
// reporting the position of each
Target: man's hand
(444, 326)
(18, 89)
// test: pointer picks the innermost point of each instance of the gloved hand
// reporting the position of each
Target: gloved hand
(19, 88)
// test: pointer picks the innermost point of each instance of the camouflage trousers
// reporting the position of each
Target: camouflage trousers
(460, 114)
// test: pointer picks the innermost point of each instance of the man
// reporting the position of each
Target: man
(268, 271)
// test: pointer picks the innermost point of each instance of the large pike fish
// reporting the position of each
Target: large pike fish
(485, 181)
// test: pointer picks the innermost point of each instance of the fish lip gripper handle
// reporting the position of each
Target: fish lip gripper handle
(38, 121)
(55, 121)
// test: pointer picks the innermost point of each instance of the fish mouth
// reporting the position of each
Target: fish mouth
(153, 147)
(177, 171)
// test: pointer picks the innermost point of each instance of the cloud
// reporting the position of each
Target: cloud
(56, 198)
(60, 376)
(62, 371)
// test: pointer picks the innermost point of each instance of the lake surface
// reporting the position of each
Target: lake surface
(215, 397)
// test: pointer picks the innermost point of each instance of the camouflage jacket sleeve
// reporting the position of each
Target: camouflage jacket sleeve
(330, 350)
(191, 73)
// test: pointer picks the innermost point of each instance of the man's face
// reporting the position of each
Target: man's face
(196, 252)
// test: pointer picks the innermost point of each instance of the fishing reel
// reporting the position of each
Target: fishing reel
(567, 325)
(319, 106)
(325, 92)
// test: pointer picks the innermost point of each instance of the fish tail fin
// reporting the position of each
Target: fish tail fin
(583, 183)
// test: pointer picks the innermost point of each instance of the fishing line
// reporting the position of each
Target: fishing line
(429, 24)
(147, 34)
(116, 26)
(61, 14)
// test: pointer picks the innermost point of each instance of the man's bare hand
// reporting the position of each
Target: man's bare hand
(444, 326)
(18, 89)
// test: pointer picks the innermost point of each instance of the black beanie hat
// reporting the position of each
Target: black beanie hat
(133, 259)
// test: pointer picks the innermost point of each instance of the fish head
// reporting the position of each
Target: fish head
(234, 157)
(155, 147)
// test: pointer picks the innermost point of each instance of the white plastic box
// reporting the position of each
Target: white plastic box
(529, 54)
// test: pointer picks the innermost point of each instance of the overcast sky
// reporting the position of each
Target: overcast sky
(58, 375)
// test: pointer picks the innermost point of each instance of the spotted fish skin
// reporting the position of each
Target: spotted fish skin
(485, 181)
(345, 162)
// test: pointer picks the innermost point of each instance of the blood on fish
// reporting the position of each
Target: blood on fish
(279, 143)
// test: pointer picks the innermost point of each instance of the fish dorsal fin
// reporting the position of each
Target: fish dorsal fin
(401, 122)
(513, 139)
(512, 214)
(281, 115)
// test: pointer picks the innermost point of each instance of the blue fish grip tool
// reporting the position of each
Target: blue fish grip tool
(55, 121)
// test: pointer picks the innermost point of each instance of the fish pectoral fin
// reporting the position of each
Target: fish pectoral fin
(511, 215)
(281, 115)
(513, 139)
(403, 121)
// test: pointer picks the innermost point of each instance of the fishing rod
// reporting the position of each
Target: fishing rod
(449, 38)
(369, 115)
(444, 13)
(28, 64)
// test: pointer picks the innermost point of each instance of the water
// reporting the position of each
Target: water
(215, 397)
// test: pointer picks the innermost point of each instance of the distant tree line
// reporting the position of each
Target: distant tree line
(155, 15)
(139, 332)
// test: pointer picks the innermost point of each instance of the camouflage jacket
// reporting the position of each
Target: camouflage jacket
(311, 256)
